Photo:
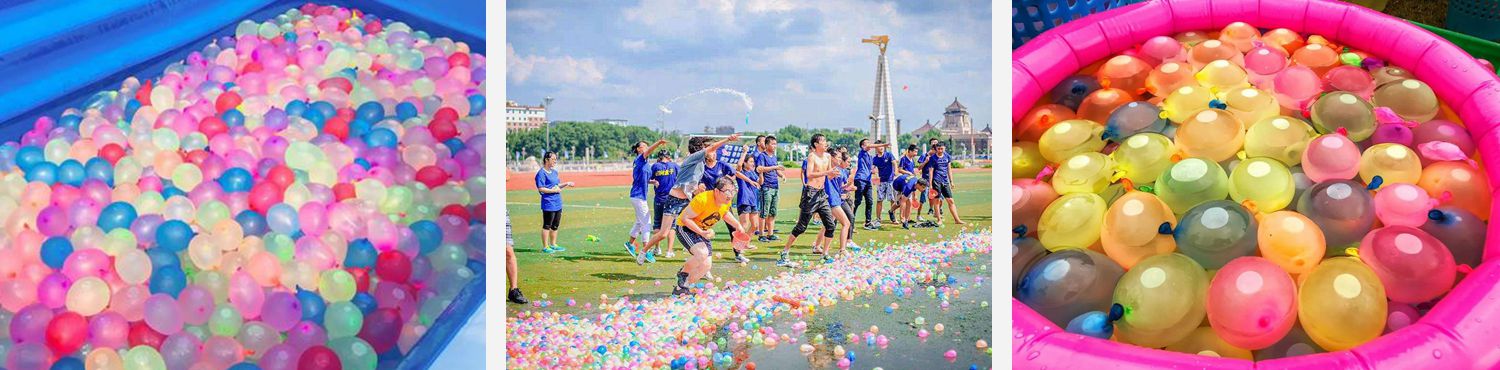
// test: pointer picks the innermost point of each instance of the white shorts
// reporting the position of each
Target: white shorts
(642, 227)
(886, 191)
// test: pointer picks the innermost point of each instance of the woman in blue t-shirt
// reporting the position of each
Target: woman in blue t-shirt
(640, 176)
(550, 187)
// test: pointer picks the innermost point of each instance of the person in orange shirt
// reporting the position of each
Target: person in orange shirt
(695, 230)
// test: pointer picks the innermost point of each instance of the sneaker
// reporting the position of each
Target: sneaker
(549, 250)
(682, 277)
(515, 296)
(773, 237)
(853, 247)
(906, 225)
(892, 214)
(741, 258)
(630, 248)
(877, 224)
(816, 223)
(640, 258)
(669, 254)
(762, 239)
(679, 290)
(784, 261)
(651, 257)
(558, 248)
(827, 260)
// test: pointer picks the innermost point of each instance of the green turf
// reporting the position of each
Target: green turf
(587, 269)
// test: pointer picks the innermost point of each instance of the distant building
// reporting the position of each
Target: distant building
(721, 130)
(852, 130)
(523, 117)
(957, 128)
(613, 121)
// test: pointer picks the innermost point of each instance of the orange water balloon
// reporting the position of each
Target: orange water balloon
(1041, 118)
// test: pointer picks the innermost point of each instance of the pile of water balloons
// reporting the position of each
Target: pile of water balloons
(307, 193)
(1243, 193)
(679, 332)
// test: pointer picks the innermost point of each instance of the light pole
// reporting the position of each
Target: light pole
(546, 102)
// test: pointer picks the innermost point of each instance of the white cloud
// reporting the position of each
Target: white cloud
(795, 87)
(686, 19)
(564, 70)
(533, 18)
(635, 45)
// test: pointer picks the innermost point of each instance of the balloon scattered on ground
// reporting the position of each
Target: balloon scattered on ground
(306, 193)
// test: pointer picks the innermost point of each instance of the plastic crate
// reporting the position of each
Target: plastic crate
(1030, 18)
(51, 60)
(1479, 48)
(1478, 18)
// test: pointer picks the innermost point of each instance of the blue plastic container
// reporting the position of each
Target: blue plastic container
(1478, 18)
(1029, 18)
(57, 54)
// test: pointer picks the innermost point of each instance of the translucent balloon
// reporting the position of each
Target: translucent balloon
(1340, 109)
(1144, 157)
(1133, 228)
(1191, 38)
(1068, 283)
(1389, 74)
(1444, 131)
(1291, 241)
(1392, 133)
(1343, 209)
(1394, 163)
(1041, 118)
(163, 314)
(1283, 39)
(1331, 157)
(1296, 85)
(1413, 100)
(1168, 77)
(1265, 61)
(1208, 51)
(1263, 182)
(1024, 253)
(1026, 160)
(1222, 74)
(1240, 34)
(1029, 197)
(1163, 298)
(1281, 138)
(1468, 187)
(1069, 138)
(1094, 324)
(1400, 316)
(1213, 134)
(1413, 266)
(1250, 105)
(88, 296)
(1101, 103)
(1072, 221)
(1083, 173)
(1134, 118)
(1162, 49)
(1183, 102)
(1351, 79)
(1072, 90)
(1191, 182)
(1320, 58)
(1203, 342)
(1341, 303)
(1460, 231)
(1124, 72)
(1215, 232)
(1252, 303)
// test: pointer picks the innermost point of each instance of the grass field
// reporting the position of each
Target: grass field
(587, 269)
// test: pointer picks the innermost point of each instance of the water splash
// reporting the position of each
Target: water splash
(749, 105)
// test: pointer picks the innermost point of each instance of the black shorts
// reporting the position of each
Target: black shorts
(656, 212)
(673, 206)
(749, 208)
(814, 202)
(551, 219)
(943, 190)
(688, 238)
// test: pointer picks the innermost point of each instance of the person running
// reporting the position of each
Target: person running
(927, 198)
(770, 170)
(640, 176)
(839, 189)
(550, 187)
(512, 271)
(863, 172)
(689, 173)
(748, 203)
(885, 171)
(909, 190)
(814, 197)
(694, 229)
(939, 164)
(663, 176)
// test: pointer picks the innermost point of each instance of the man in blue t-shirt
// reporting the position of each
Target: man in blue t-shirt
(663, 177)
(908, 190)
(640, 175)
(938, 165)
(689, 174)
(770, 182)
(550, 186)
(863, 172)
(885, 171)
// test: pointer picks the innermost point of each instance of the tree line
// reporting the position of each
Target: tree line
(573, 139)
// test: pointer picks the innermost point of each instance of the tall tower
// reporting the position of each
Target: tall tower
(883, 114)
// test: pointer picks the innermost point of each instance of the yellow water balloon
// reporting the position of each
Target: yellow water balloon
(1211, 133)
(1190, 182)
(1250, 105)
(1411, 99)
(1222, 74)
(1072, 221)
(1203, 342)
(1163, 298)
(1069, 138)
(1143, 157)
(1026, 160)
(1341, 304)
(1180, 105)
(1264, 182)
(1282, 138)
(1083, 173)
(1341, 109)
(1392, 162)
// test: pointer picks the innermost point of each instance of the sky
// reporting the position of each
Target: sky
(800, 62)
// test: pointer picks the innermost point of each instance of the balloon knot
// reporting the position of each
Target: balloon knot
(1116, 312)
(1375, 182)
(1465, 269)
(1046, 171)
(1165, 228)
(1342, 131)
(1352, 252)
(1146, 188)
(1019, 230)
(1217, 104)
(1129, 185)
(1164, 114)
(1250, 205)
(1437, 215)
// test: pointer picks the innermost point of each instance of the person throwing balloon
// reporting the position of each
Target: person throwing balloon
(939, 164)
(814, 197)
(690, 172)
(550, 187)
(695, 230)
(640, 174)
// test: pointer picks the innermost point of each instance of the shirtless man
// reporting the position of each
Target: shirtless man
(814, 197)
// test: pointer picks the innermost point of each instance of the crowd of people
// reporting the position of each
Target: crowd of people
(682, 201)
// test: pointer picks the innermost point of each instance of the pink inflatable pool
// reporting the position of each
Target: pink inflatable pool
(1460, 332)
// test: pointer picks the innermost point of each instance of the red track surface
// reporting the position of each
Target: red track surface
(524, 180)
